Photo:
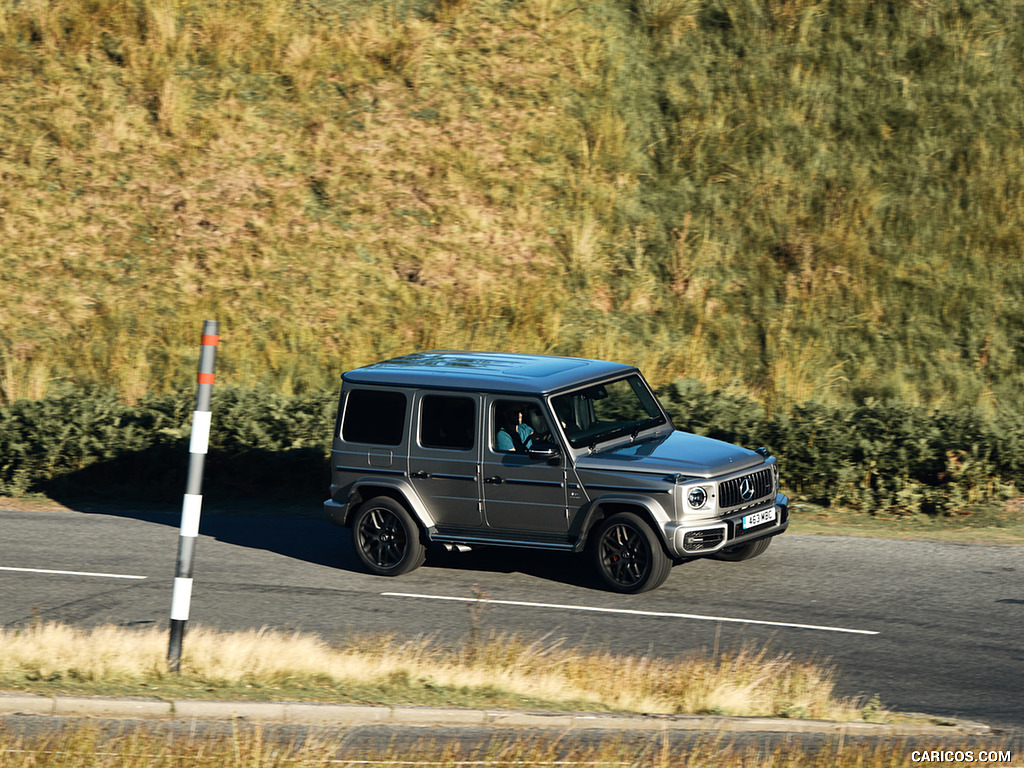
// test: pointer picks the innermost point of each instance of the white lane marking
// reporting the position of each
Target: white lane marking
(651, 614)
(70, 573)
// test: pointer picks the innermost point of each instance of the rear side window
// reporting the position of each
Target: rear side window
(374, 416)
(447, 422)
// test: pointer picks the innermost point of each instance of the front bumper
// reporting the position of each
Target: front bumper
(701, 538)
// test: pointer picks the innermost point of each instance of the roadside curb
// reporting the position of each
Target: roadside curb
(308, 713)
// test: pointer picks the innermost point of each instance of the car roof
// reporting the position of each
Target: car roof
(486, 372)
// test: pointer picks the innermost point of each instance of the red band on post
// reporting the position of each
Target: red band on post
(206, 378)
(210, 340)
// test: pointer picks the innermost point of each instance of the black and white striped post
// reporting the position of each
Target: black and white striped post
(181, 598)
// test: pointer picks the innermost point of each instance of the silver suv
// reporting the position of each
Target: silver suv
(474, 448)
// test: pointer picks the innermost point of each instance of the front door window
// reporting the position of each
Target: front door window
(517, 425)
(522, 493)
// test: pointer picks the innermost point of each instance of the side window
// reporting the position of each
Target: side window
(374, 416)
(516, 424)
(447, 422)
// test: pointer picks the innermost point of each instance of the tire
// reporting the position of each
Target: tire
(744, 551)
(386, 538)
(629, 556)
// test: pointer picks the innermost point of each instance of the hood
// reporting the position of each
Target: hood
(677, 452)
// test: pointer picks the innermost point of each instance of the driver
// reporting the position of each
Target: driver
(514, 434)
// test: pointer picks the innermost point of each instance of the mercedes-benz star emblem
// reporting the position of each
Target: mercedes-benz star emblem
(746, 489)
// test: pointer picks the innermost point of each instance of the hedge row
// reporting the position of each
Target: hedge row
(873, 456)
(261, 443)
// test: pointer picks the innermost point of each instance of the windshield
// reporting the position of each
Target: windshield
(603, 411)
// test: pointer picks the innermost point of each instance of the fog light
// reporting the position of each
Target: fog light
(697, 497)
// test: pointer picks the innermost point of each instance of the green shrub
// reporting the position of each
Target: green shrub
(873, 456)
(88, 441)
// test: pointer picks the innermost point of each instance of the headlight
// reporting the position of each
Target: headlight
(697, 497)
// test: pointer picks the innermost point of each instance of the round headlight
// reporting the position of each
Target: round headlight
(697, 497)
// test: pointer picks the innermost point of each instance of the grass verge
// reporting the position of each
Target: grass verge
(89, 745)
(499, 670)
(977, 524)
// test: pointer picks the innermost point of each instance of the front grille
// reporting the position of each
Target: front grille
(762, 482)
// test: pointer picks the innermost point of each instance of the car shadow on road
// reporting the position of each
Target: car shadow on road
(560, 567)
(243, 505)
(260, 499)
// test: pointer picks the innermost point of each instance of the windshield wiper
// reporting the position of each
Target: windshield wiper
(642, 425)
(628, 429)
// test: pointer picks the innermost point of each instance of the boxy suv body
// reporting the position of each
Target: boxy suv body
(554, 453)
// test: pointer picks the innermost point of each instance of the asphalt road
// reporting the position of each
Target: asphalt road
(928, 627)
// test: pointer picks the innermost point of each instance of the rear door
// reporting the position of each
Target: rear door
(444, 457)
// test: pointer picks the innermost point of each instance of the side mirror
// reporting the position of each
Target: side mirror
(542, 451)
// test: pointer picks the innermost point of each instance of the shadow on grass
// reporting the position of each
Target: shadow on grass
(270, 501)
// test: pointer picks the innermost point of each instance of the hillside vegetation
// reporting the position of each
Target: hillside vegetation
(802, 200)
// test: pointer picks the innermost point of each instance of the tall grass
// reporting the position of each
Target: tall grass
(90, 746)
(806, 200)
(740, 682)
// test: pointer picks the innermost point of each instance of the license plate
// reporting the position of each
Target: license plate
(759, 518)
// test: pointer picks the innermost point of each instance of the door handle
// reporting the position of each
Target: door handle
(495, 480)
(421, 475)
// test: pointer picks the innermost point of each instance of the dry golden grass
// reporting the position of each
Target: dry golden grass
(341, 182)
(399, 212)
(92, 746)
(745, 682)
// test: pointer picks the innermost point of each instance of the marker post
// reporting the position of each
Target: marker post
(181, 598)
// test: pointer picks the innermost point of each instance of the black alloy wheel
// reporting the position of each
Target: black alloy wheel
(386, 538)
(629, 555)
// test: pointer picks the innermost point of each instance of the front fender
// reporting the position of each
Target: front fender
(642, 504)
